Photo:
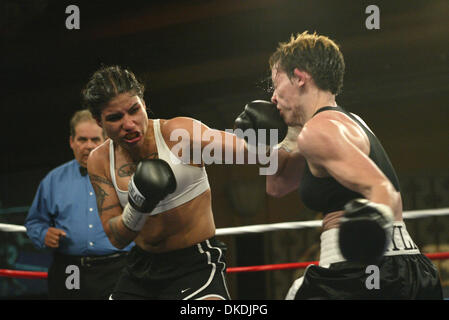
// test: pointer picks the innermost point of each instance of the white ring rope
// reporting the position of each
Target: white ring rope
(11, 228)
(317, 223)
(258, 228)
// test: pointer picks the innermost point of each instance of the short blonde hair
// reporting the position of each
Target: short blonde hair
(317, 55)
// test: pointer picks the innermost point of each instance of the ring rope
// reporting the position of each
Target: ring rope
(275, 226)
(317, 223)
(5, 227)
(302, 265)
(241, 230)
(268, 267)
(23, 274)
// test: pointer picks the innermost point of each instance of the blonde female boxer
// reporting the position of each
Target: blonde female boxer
(342, 170)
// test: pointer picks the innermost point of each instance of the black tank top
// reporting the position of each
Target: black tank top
(326, 194)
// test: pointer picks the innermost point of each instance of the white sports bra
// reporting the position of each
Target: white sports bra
(191, 181)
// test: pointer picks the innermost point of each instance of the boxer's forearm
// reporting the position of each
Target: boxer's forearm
(119, 235)
(384, 193)
(288, 175)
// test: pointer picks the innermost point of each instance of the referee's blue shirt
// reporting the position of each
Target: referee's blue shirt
(66, 200)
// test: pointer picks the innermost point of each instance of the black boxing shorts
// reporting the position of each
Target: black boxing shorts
(403, 273)
(196, 272)
(400, 277)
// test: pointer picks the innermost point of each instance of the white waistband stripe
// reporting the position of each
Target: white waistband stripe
(401, 244)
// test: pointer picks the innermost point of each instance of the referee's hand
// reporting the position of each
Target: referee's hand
(53, 236)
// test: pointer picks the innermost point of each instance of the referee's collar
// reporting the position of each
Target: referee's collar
(83, 171)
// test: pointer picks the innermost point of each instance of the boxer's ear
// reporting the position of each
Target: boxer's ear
(301, 77)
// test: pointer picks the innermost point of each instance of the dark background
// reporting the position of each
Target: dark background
(206, 60)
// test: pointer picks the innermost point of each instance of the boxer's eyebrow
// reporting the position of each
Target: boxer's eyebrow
(114, 116)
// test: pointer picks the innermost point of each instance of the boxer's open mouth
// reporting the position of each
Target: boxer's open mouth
(132, 137)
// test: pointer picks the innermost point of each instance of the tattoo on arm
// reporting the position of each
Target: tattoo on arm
(101, 195)
(116, 235)
(95, 178)
(101, 210)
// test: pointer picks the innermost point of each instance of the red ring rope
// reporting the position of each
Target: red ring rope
(302, 265)
(23, 274)
(281, 266)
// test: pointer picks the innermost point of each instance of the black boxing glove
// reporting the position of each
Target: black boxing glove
(365, 231)
(262, 114)
(152, 182)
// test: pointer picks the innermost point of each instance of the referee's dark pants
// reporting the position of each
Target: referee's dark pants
(81, 278)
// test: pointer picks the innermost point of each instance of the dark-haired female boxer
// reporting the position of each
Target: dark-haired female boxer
(144, 193)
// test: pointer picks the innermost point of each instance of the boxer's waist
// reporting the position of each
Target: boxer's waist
(401, 244)
(89, 261)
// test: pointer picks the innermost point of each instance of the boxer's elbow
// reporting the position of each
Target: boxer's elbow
(273, 192)
(382, 191)
(117, 244)
(276, 188)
